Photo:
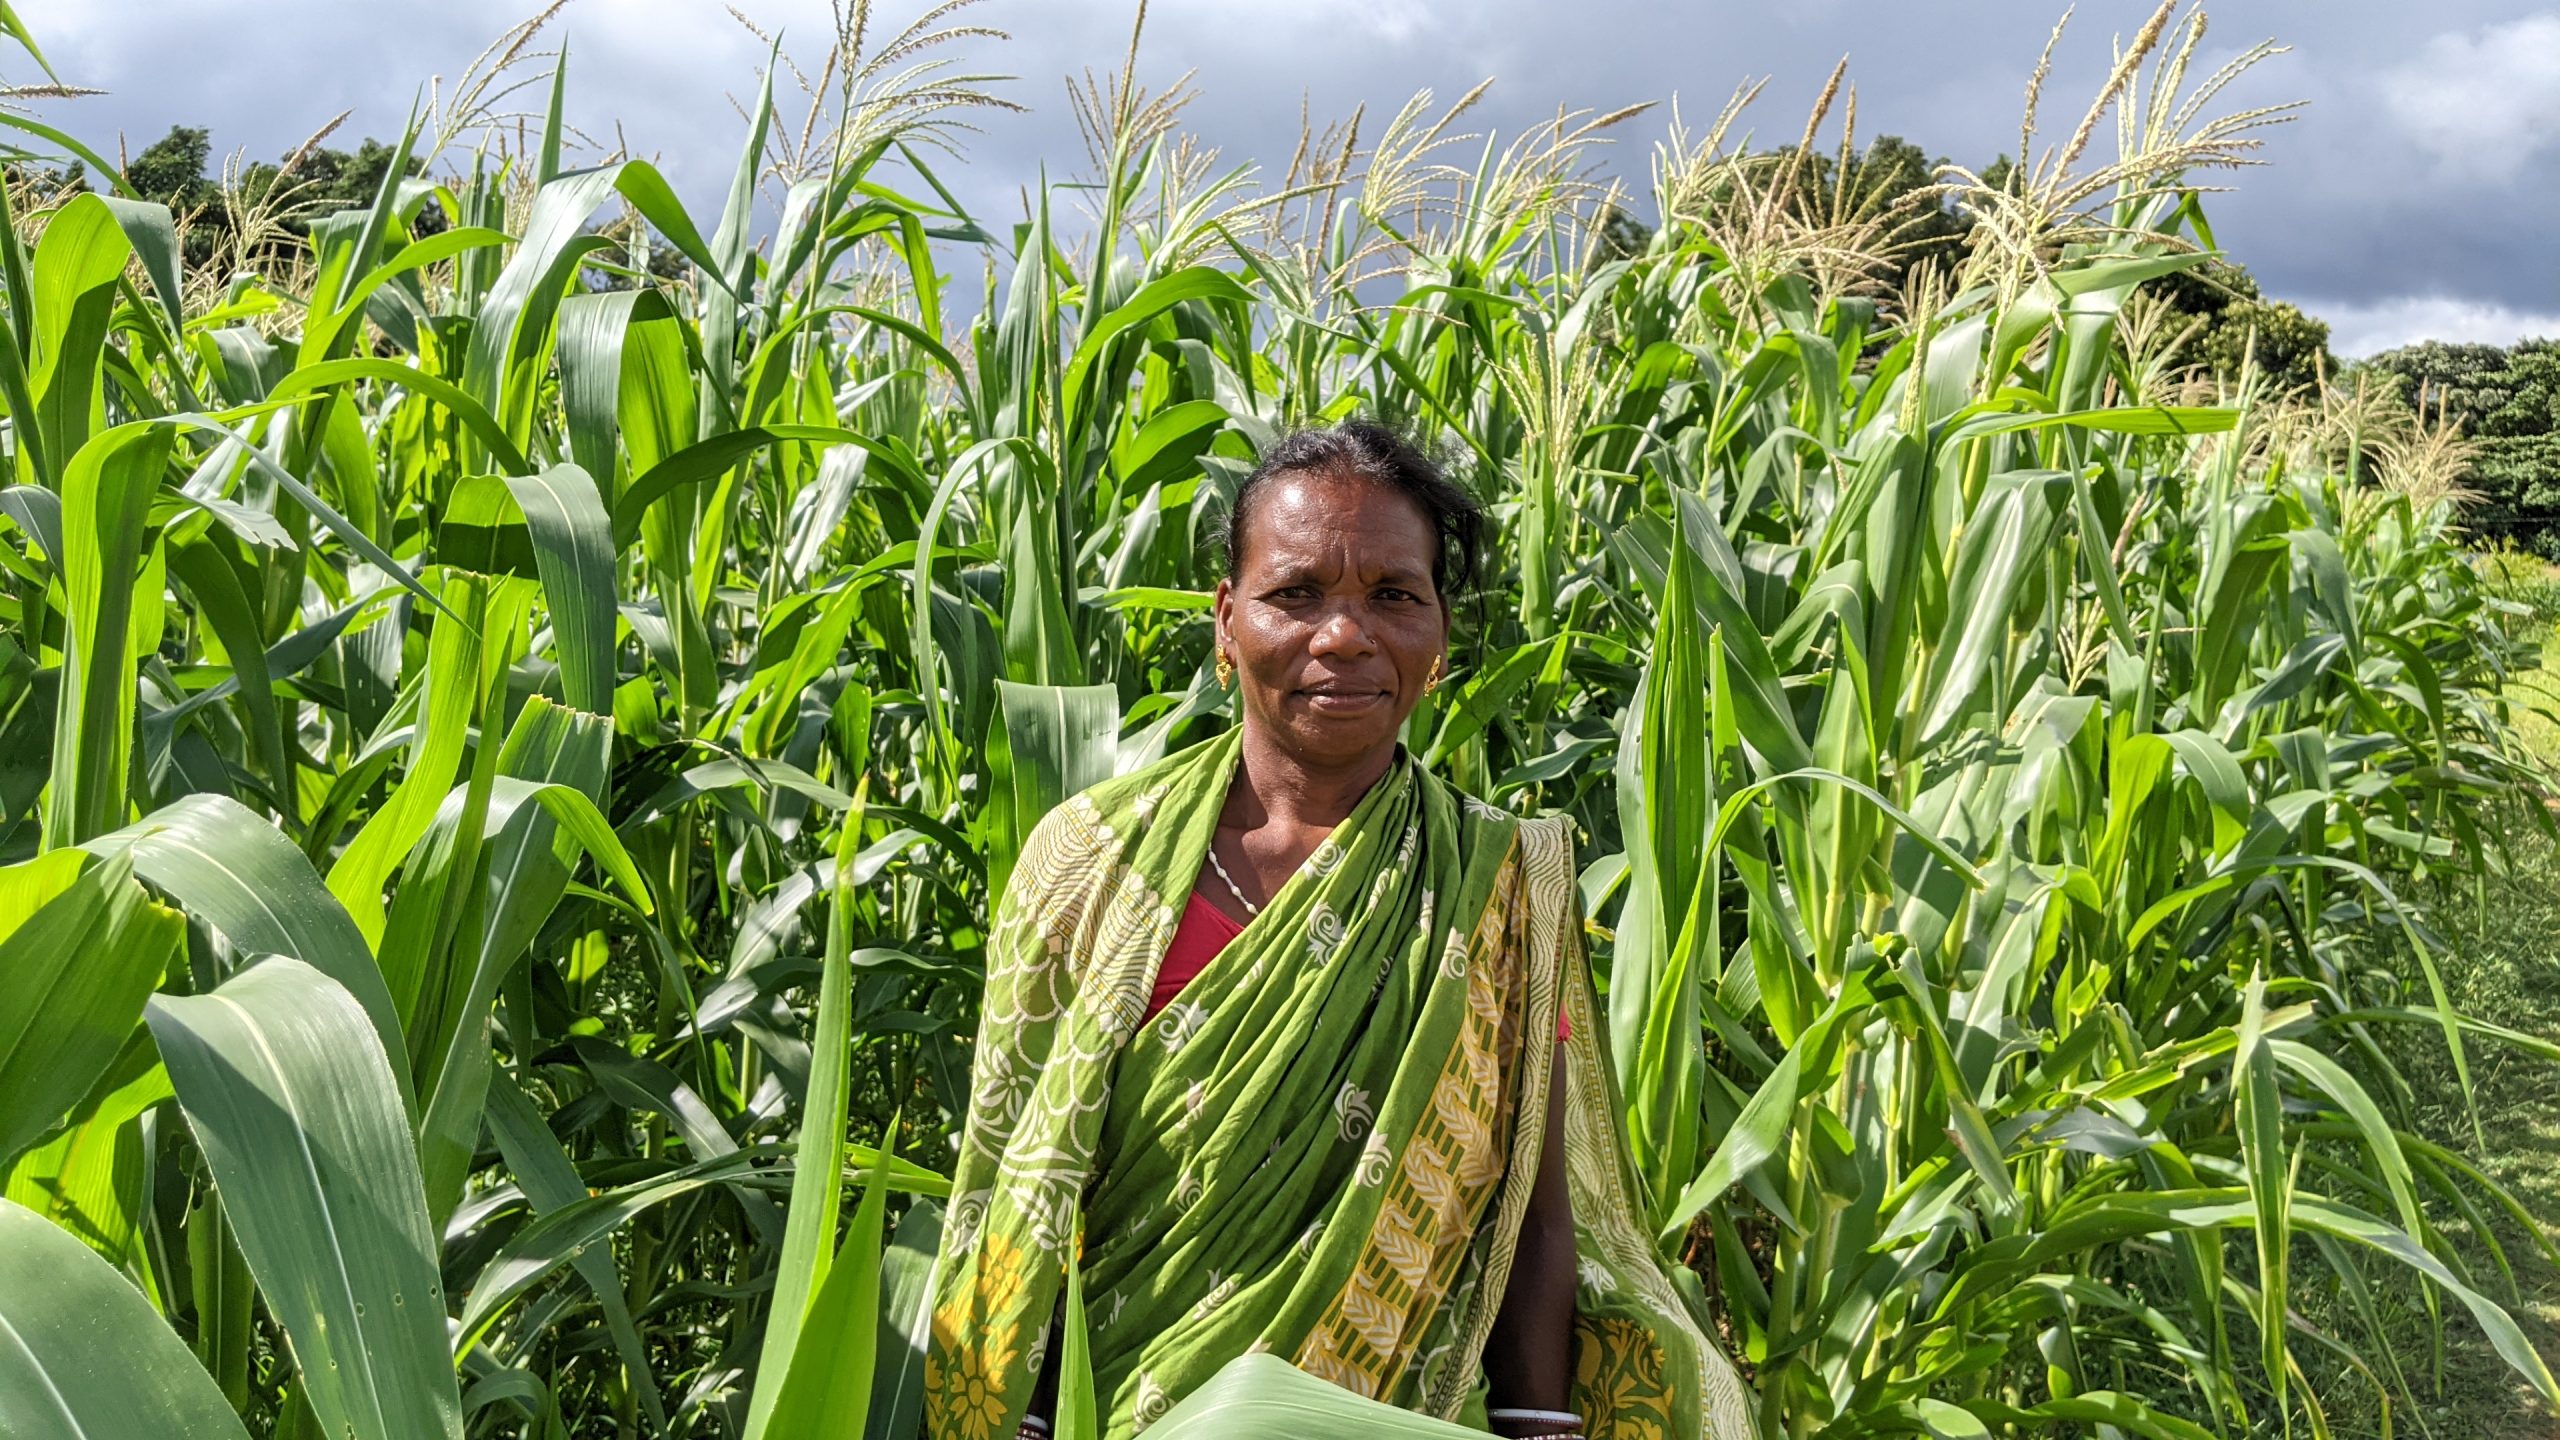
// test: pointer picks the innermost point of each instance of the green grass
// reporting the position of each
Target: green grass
(2513, 973)
(2505, 967)
(2535, 696)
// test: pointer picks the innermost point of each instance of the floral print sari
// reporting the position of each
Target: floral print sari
(1322, 1148)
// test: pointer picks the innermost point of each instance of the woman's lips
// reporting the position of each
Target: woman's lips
(1344, 702)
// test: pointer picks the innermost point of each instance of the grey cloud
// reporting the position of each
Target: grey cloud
(2359, 205)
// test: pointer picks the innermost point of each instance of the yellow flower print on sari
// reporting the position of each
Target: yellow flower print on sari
(1000, 1277)
(1617, 1384)
(964, 1386)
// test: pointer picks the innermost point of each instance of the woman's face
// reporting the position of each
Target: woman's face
(1332, 620)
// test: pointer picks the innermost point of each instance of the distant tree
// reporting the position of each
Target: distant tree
(2507, 399)
(1899, 178)
(175, 171)
(2290, 348)
(667, 264)
(325, 179)
(1622, 235)
(171, 170)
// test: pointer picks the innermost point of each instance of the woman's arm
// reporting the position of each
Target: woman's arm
(1528, 1358)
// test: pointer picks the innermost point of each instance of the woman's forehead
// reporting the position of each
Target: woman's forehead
(1309, 517)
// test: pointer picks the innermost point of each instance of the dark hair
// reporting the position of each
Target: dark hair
(1377, 453)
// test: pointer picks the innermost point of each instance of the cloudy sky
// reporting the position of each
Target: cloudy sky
(2414, 197)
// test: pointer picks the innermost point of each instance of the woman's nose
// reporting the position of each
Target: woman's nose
(1341, 633)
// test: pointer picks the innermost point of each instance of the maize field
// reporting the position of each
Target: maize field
(511, 728)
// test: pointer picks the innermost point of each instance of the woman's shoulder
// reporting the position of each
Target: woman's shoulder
(1134, 791)
(1544, 832)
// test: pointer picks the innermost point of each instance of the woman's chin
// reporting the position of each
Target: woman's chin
(1334, 738)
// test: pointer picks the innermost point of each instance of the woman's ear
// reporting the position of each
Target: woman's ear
(1221, 601)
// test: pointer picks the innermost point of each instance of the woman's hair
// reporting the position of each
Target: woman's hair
(1377, 453)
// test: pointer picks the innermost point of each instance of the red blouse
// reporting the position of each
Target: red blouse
(1203, 932)
(1196, 941)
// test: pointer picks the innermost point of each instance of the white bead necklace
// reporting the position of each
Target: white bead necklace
(1250, 909)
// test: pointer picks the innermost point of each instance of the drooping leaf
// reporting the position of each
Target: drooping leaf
(76, 973)
(83, 1356)
(292, 1099)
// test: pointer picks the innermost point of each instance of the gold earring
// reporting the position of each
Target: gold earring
(1226, 669)
(1431, 682)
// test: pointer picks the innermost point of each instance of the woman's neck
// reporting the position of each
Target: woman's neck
(1282, 790)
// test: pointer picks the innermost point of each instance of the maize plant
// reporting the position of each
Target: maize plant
(506, 757)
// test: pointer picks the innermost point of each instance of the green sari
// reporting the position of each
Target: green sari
(1322, 1148)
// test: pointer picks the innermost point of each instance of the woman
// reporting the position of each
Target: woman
(1296, 1043)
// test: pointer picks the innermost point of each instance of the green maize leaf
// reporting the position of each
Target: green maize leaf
(2097, 557)
(379, 216)
(550, 752)
(515, 320)
(592, 332)
(1937, 1419)
(37, 512)
(321, 342)
(2097, 1407)
(1758, 1133)
(88, 1178)
(229, 869)
(1049, 742)
(817, 1186)
(572, 544)
(646, 1086)
(105, 169)
(727, 262)
(1199, 283)
(557, 1238)
(76, 972)
(927, 652)
(82, 1354)
(2381, 1141)
(2001, 546)
(906, 1323)
(2258, 1117)
(16, 29)
(106, 495)
(547, 165)
(1263, 1397)
(828, 1390)
(25, 889)
(456, 664)
(550, 1183)
(1667, 792)
(293, 1101)
(210, 578)
(715, 457)
(2127, 420)
(466, 411)
(152, 233)
(1486, 695)
(1079, 1410)
(77, 264)
(319, 509)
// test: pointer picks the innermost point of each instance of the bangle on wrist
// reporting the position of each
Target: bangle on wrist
(1521, 1424)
